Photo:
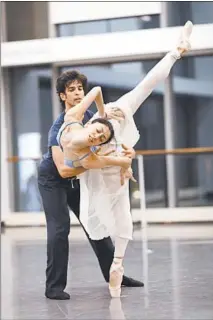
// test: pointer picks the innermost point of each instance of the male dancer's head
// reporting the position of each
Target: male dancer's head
(71, 87)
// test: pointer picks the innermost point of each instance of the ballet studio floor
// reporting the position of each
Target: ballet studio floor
(175, 263)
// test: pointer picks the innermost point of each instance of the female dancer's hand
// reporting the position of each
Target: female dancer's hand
(124, 162)
(115, 113)
(128, 152)
(126, 174)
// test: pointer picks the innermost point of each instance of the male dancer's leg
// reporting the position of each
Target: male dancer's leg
(58, 227)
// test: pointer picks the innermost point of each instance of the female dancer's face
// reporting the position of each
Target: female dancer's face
(96, 134)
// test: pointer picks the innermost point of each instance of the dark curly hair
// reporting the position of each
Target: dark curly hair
(68, 77)
(109, 125)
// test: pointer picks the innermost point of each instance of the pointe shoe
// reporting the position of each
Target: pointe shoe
(184, 44)
(115, 279)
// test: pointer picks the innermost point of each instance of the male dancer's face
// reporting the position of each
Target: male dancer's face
(73, 94)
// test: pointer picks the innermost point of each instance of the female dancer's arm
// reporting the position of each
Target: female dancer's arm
(78, 111)
(94, 161)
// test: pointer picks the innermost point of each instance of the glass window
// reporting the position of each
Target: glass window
(109, 25)
(194, 114)
(150, 21)
(82, 28)
(30, 93)
(89, 27)
(202, 12)
(124, 24)
(117, 79)
(65, 30)
(197, 11)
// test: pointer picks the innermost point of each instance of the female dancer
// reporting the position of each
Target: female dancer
(105, 207)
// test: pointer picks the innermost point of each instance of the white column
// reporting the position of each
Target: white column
(5, 203)
(52, 33)
(51, 25)
(3, 23)
(169, 124)
(56, 109)
(169, 128)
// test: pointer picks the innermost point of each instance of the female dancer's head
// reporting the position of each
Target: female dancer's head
(99, 131)
(71, 87)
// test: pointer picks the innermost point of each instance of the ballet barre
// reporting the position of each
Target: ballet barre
(154, 152)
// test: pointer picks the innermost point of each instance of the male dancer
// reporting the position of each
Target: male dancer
(59, 190)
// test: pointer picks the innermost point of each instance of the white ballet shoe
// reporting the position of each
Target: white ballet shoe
(184, 44)
(115, 279)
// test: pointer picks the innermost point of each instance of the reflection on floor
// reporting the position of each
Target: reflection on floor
(176, 264)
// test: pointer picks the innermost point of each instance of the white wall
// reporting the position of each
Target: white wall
(64, 12)
(141, 44)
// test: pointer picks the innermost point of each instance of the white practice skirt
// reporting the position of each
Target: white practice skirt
(104, 203)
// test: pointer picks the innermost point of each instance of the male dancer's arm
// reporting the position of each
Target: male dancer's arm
(63, 170)
(91, 162)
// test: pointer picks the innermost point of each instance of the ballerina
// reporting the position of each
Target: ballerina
(105, 205)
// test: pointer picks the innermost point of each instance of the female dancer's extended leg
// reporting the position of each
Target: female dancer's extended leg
(133, 100)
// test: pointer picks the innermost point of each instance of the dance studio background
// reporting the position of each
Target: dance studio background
(115, 45)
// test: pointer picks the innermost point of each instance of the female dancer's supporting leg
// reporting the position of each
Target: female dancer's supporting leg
(124, 230)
